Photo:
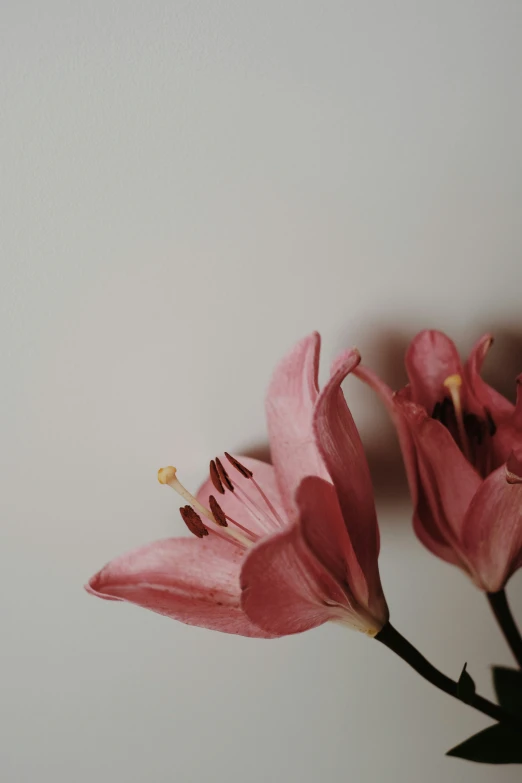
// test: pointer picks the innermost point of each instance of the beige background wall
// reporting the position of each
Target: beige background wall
(187, 188)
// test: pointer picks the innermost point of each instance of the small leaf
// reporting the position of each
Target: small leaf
(508, 687)
(465, 686)
(498, 744)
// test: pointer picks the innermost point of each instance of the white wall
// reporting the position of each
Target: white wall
(187, 188)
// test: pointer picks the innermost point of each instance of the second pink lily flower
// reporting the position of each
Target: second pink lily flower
(462, 446)
(286, 547)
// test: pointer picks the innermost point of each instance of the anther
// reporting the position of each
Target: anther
(238, 466)
(196, 510)
(168, 476)
(217, 512)
(214, 477)
(223, 475)
(193, 521)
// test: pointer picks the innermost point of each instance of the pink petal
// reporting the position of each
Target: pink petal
(259, 522)
(285, 589)
(448, 479)
(514, 466)
(484, 395)
(430, 359)
(508, 436)
(517, 417)
(341, 449)
(191, 580)
(492, 533)
(325, 533)
(290, 402)
(424, 523)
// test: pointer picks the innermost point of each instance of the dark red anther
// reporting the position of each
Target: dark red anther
(193, 521)
(223, 475)
(214, 477)
(238, 466)
(217, 512)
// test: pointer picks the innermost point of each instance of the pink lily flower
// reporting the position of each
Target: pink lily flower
(288, 546)
(462, 447)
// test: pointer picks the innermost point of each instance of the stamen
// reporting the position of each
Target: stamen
(267, 501)
(223, 519)
(238, 466)
(248, 474)
(223, 475)
(256, 512)
(453, 383)
(193, 521)
(168, 476)
(253, 536)
(217, 512)
(214, 477)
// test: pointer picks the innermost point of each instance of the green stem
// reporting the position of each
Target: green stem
(402, 647)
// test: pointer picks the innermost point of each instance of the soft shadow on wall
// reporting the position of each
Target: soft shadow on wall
(383, 350)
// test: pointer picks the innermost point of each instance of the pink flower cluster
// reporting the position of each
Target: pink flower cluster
(278, 549)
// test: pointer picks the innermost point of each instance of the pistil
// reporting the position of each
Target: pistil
(453, 384)
(168, 476)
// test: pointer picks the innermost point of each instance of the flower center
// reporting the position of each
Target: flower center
(255, 502)
(470, 432)
(454, 384)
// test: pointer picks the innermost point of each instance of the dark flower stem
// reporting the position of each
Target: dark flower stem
(402, 647)
(499, 604)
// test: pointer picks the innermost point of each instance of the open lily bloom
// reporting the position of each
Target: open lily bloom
(462, 446)
(277, 549)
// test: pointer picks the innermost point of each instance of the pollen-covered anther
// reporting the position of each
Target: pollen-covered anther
(217, 512)
(223, 475)
(214, 477)
(193, 521)
(238, 466)
(168, 476)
